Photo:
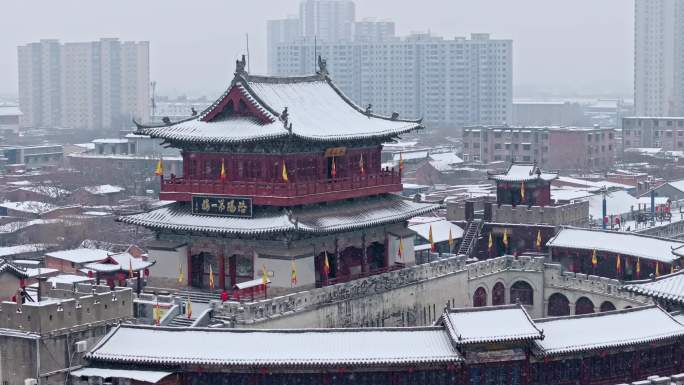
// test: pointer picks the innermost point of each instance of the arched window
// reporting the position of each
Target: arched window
(584, 306)
(607, 306)
(480, 297)
(522, 291)
(499, 294)
(559, 305)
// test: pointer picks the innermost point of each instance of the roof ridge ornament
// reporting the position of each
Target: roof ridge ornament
(369, 109)
(322, 66)
(240, 66)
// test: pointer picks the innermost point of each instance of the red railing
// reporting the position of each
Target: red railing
(284, 193)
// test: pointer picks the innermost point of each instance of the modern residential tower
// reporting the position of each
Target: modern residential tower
(89, 85)
(658, 57)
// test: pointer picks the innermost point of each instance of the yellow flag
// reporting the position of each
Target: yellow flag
(451, 239)
(657, 269)
(505, 237)
(638, 267)
(362, 168)
(284, 174)
(400, 252)
(159, 170)
(326, 265)
(539, 239)
(211, 277)
(181, 276)
(156, 314)
(293, 273)
(594, 258)
(222, 175)
(188, 308)
(264, 277)
(618, 264)
(522, 190)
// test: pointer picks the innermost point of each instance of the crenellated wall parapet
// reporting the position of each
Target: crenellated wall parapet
(65, 307)
(311, 299)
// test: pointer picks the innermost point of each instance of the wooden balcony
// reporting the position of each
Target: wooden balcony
(284, 193)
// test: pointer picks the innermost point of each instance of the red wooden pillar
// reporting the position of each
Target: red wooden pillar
(232, 267)
(222, 272)
(189, 269)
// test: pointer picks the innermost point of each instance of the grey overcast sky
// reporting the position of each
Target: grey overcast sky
(560, 46)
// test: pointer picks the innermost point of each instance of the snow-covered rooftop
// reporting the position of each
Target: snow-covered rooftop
(10, 111)
(7, 251)
(118, 262)
(245, 347)
(331, 217)
(68, 279)
(103, 189)
(80, 256)
(410, 155)
(445, 161)
(518, 172)
(48, 191)
(605, 330)
(146, 376)
(490, 324)
(667, 287)
(617, 203)
(316, 110)
(32, 207)
(440, 230)
(625, 244)
(110, 140)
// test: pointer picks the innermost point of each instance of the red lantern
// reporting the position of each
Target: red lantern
(147, 273)
(90, 274)
(121, 276)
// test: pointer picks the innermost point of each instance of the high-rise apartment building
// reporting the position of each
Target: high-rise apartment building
(327, 20)
(371, 30)
(658, 58)
(448, 82)
(90, 85)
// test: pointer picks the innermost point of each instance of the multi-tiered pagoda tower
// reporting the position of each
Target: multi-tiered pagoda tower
(282, 172)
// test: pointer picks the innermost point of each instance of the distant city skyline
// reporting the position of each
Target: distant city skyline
(572, 48)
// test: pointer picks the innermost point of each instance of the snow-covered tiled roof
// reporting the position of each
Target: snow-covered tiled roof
(623, 243)
(668, 287)
(440, 230)
(103, 189)
(147, 376)
(490, 324)
(572, 334)
(445, 161)
(410, 155)
(32, 207)
(331, 217)
(81, 255)
(247, 347)
(118, 262)
(6, 265)
(48, 191)
(317, 110)
(7, 251)
(518, 172)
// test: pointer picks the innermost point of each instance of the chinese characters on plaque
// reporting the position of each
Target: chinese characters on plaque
(225, 206)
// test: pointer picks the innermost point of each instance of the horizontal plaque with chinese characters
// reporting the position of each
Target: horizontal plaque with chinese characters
(225, 206)
(335, 151)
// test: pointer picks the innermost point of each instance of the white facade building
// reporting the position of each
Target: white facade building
(446, 81)
(659, 54)
(327, 20)
(89, 85)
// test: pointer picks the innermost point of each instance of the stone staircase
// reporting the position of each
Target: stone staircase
(197, 296)
(181, 321)
(468, 244)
